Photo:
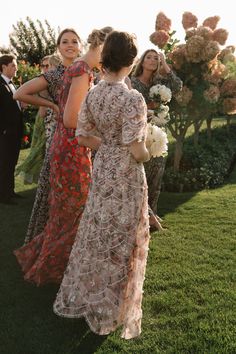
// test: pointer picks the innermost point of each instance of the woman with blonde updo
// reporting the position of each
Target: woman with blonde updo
(44, 259)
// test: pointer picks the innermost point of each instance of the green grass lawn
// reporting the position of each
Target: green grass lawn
(189, 303)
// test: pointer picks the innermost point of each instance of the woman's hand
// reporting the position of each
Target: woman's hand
(23, 105)
(164, 63)
(54, 107)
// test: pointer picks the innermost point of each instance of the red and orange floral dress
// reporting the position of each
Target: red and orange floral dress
(44, 259)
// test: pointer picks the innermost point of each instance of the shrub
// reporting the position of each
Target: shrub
(204, 166)
(25, 73)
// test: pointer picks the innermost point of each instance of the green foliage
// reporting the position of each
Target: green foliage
(29, 119)
(204, 166)
(27, 133)
(32, 41)
(25, 73)
(171, 44)
(231, 68)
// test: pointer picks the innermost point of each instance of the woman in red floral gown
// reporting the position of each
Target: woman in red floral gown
(44, 259)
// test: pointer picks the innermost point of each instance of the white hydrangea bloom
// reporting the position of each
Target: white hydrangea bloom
(157, 141)
(161, 93)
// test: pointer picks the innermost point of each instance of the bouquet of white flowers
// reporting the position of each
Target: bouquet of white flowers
(160, 95)
(157, 141)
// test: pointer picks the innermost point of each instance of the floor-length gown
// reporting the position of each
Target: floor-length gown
(104, 278)
(44, 259)
(39, 214)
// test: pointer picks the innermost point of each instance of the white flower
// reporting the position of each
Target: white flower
(154, 90)
(160, 93)
(156, 141)
(164, 109)
(159, 116)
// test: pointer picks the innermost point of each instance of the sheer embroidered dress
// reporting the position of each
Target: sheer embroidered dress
(104, 278)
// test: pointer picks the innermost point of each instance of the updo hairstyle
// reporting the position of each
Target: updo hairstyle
(120, 50)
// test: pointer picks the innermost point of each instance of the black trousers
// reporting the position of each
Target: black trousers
(9, 152)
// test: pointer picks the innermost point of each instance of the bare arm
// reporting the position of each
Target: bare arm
(171, 80)
(164, 63)
(139, 151)
(78, 91)
(92, 142)
(28, 93)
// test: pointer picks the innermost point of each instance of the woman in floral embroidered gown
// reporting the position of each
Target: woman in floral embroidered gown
(68, 45)
(44, 259)
(104, 277)
(152, 69)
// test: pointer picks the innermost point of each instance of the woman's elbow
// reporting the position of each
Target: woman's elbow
(68, 124)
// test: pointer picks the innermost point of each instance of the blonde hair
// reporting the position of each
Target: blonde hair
(96, 37)
(54, 60)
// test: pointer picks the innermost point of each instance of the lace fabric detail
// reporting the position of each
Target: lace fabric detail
(104, 278)
(122, 111)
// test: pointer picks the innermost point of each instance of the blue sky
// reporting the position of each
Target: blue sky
(128, 15)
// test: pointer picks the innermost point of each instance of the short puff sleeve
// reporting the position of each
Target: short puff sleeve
(134, 118)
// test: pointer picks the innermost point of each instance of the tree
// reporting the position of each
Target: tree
(32, 41)
(206, 89)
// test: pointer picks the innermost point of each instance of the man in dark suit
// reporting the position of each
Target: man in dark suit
(11, 129)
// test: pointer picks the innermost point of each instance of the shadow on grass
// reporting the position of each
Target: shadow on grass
(28, 324)
(88, 344)
(169, 201)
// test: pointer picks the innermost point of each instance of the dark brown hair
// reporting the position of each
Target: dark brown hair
(6, 59)
(67, 30)
(119, 51)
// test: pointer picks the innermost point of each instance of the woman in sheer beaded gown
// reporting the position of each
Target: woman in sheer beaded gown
(68, 46)
(104, 278)
(44, 259)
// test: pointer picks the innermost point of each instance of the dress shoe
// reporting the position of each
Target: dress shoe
(7, 201)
